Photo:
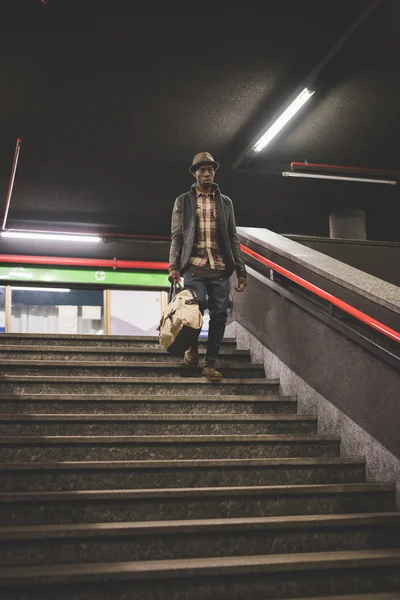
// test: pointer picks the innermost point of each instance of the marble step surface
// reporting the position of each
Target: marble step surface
(112, 506)
(38, 545)
(41, 384)
(93, 341)
(145, 424)
(183, 403)
(86, 448)
(376, 596)
(109, 353)
(172, 368)
(275, 576)
(109, 475)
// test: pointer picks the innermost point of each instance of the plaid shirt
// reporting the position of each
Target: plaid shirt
(206, 247)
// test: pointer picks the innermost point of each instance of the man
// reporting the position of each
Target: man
(205, 250)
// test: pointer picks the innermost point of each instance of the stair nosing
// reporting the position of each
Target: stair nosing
(167, 439)
(121, 364)
(95, 397)
(184, 568)
(228, 491)
(367, 596)
(178, 464)
(156, 418)
(93, 337)
(167, 527)
(137, 380)
(106, 349)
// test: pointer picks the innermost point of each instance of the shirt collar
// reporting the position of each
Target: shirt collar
(215, 189)
(198, 193)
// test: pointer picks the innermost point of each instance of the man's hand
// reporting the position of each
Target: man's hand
(174, 275)
(242, 282)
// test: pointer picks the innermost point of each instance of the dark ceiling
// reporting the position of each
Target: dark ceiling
(113, 99)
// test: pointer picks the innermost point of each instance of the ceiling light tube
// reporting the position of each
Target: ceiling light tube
(283, 119)
(40, 289)
(337, 177)
(58, 237)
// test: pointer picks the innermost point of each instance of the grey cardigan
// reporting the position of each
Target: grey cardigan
(183, 232)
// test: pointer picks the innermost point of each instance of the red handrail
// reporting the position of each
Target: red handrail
(63, 261)
(354, 312)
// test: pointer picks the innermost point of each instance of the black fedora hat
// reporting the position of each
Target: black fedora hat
(203, 158)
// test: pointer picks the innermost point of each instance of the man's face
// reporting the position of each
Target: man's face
(205, 175)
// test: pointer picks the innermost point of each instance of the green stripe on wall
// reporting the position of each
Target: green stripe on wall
(102, 277)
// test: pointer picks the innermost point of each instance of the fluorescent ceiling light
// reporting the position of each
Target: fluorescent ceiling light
(283, 119)
(337, 177)
(58, 237)
(41, 289)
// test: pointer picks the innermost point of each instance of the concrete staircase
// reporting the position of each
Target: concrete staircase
(123, 477)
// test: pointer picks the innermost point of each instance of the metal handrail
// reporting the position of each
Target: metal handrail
(354, 312)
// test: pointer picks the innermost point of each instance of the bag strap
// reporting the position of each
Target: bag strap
(194, 299)
(174, 290)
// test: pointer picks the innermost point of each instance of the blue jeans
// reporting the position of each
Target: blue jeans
(214, 295)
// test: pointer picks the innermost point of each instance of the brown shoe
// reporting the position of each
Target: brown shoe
(211, 373)
(191, 358)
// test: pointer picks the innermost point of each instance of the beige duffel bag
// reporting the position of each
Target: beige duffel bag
(181, 322)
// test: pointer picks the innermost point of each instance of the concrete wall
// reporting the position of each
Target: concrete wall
(381, 259)
(362, 386)
(381, 465)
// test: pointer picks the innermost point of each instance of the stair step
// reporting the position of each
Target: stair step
(114, 453)
(129, 354)
(25, 403)
(18, 449)
(165, 540)
(209, 526)
(377, 596)
(134, 424)
(106, 475)
(75, 369)
(94, 341)
(134, 385)
(271, 576)
(192, 503)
